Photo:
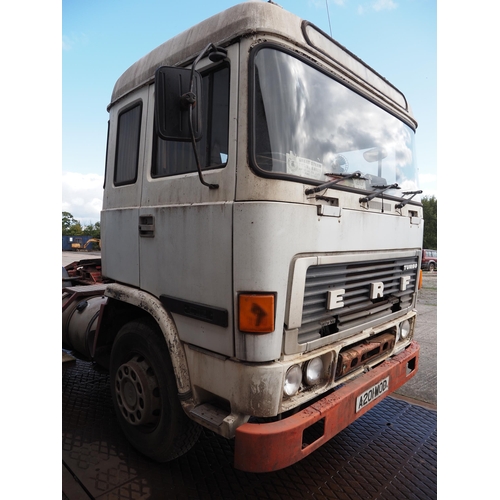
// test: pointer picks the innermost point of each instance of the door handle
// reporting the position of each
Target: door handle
(146, 226)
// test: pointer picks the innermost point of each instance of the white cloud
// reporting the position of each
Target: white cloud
(377, 5)
(69, 42)
(428, 184)
(82, 196)
(427, 178)
(384, 5)
(321, 4)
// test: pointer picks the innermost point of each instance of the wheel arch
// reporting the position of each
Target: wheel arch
(126, 304)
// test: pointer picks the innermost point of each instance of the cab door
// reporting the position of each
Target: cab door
(186, 227)
(123, 186)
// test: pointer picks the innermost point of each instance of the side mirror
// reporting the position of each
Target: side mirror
(174, 98)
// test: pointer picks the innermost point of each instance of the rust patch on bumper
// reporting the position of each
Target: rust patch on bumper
(354, 357)
(273, 446)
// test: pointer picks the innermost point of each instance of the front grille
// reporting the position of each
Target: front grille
(358, 308)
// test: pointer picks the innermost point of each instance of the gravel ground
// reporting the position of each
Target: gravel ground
(428, 294)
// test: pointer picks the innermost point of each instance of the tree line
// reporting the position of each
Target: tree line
(430, 222)
(73, 227)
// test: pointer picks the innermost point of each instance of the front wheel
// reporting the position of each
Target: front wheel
(432, 266)
(144, 393)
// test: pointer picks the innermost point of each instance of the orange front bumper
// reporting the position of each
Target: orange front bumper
(273, 446)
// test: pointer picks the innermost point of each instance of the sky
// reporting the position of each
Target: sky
(100, 40)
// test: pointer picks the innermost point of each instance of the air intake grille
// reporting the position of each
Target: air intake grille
(399, 279)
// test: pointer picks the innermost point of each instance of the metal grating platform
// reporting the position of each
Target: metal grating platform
(389, 453)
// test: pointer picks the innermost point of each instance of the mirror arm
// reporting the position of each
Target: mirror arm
(190, 100)
(195, 63)
(195, 149)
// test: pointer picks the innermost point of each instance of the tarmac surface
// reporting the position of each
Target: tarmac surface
(388, 453)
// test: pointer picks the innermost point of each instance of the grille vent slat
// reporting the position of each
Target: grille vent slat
(355, 279)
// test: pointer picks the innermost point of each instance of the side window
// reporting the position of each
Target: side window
(173, 157)
(127, 145)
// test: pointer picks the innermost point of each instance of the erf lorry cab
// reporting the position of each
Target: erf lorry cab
(261, 241)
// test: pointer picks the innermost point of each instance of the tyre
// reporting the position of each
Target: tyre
(432, 266)
(144, 393)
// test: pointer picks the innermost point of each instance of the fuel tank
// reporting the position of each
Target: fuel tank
(81, 307)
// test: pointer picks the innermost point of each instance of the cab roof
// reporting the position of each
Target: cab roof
(238, 21)
(251, 18)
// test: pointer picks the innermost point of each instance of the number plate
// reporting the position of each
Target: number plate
(372, 393)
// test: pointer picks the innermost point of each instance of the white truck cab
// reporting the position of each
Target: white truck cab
(261, 239)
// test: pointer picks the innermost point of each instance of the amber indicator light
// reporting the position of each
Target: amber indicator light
(256, 313)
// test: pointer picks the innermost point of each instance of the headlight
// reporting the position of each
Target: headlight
(293, 379)
(313, 371)
(404, 330)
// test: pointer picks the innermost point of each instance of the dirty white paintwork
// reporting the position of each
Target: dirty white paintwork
(209, 245)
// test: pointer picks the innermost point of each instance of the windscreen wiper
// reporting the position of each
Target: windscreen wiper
(381, 190)
(405, 201)
(321, 187)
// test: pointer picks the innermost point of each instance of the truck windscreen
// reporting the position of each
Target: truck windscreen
(308, 125)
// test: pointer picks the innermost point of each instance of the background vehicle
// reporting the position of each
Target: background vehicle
(261, 243)
(429, 260)
(77, 243)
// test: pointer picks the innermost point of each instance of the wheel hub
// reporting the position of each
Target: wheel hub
(137, 392)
